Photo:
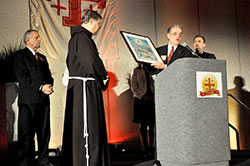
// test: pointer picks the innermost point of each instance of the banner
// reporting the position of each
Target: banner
(52, 19)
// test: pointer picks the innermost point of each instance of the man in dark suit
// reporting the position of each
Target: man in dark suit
(173, 50)
(35, 86)
(199, 44)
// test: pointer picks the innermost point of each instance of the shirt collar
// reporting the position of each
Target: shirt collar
(33, 52)
(170, 47)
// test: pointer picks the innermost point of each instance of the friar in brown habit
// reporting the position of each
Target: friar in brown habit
(85, 137)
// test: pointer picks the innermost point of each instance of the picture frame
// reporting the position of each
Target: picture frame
(141, 47)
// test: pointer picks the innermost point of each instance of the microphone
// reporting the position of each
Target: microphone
(196, 51)
(190, 49)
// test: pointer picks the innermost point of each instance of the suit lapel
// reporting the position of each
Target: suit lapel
(166, 53)
(33, 61)
(30, 55)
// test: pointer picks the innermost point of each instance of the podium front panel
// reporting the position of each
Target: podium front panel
(190, 130)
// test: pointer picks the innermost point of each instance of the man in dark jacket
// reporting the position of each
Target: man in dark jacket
(35, 86)
(85, 137)
(199, 44)
(173, 50)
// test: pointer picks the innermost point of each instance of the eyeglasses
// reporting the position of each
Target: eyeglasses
(175, 34)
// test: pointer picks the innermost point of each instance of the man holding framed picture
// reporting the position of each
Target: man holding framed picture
(173, 50)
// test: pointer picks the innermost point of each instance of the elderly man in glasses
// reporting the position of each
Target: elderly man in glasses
(173, 50)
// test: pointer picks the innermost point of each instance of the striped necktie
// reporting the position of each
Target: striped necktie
(37, 58)
(171, 54)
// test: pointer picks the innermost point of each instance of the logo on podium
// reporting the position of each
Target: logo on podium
(209, 84)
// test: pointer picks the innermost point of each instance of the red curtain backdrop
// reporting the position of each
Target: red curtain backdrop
(3, 126)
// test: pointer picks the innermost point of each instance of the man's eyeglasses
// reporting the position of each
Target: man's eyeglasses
(175, 34)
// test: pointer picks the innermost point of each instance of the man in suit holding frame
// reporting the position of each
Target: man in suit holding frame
(35, 86)
(173, 50)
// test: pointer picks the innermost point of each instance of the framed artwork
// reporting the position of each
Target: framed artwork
(141, 47)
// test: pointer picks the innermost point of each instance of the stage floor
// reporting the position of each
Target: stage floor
(117, 157)
(130, 158)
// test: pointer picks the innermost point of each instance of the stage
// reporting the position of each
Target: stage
(119, 157)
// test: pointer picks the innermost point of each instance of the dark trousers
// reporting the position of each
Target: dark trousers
(33, 118)
(147, 131)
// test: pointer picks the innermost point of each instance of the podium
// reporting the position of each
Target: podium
(191, 130)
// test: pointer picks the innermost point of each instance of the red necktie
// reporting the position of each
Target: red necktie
(37, 58)
(171, 54)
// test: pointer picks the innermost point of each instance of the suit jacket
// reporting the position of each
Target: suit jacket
(139, 82)
(207, 55)
(31, 74)
(180, 52)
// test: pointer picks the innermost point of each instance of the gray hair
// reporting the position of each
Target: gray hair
(172, 26)
(27, 35)
(90, 14)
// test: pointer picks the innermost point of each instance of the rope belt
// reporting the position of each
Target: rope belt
(85, 118)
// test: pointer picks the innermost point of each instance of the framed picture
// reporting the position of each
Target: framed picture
(141, 47)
